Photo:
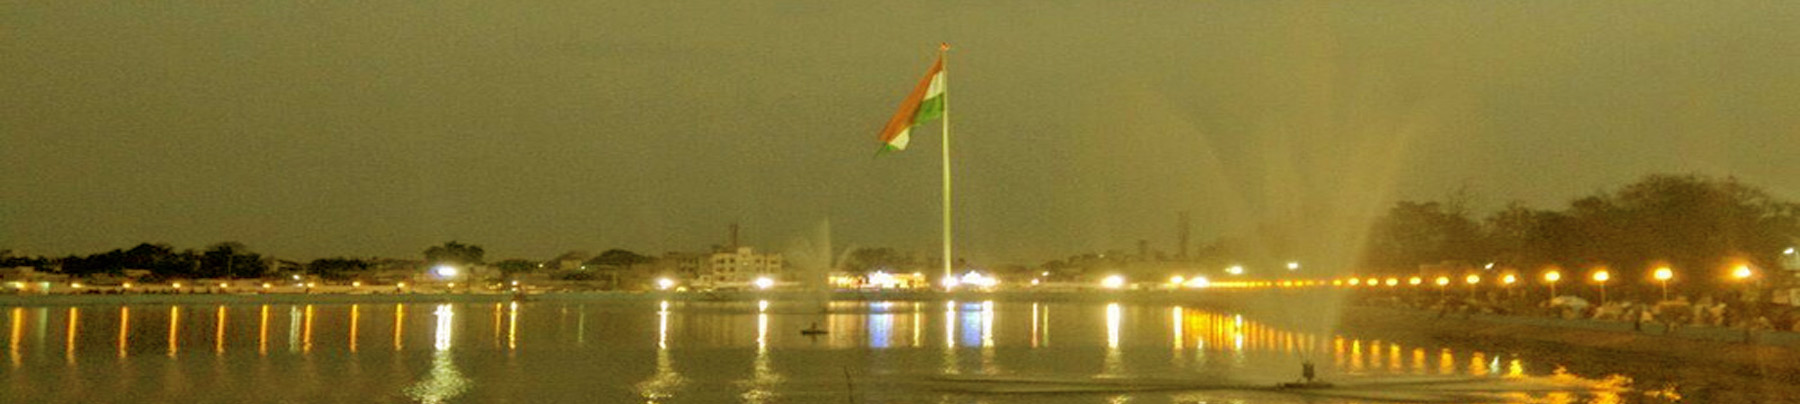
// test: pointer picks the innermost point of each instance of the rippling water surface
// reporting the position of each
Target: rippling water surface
(677, 351)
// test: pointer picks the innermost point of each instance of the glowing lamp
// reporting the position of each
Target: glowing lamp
(1113, 282)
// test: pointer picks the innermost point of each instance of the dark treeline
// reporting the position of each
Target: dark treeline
(222, 260)
(1698, 226)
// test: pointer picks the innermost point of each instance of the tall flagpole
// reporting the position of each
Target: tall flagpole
(943, 50)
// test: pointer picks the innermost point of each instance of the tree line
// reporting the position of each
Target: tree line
(1697, 226)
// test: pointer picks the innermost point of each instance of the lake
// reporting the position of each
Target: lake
(619, 351)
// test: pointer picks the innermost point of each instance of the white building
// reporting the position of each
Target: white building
(739, 269)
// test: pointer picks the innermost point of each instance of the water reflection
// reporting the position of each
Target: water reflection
(399, 326)
(665, 381)
(867, 339)
(443, 381)
(174, 330)
(1113, 364)
(17, 318)
(219, 330)
(74, 329)
(355, 322)
(262, 330)
(512, 326)
(124, 330)
(764, 380)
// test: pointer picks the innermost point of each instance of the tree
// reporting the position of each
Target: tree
(1697, 225)
(515, 266)
(454, 253)
(1414, 233)
(879, 258)
(230, 259)
(619, 258)
(337, 268)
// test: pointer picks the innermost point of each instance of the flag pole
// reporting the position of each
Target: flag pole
(943, 51)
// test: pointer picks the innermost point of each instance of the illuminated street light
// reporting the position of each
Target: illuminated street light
(1355, 281)
(665, 283)
(1293, 265)
(764, 282)
(1742, 272)
(1509, 279)
(1393, 281)
(1442, 281)
(1415, 281)
(1177, 280)
(442, 271)
(1235, 270)
(1113, 282)
(1472, 280)
(1663, 274)
(1551, 277)
(1602, 276)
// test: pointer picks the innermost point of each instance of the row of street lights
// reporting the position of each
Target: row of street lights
(1552, 277)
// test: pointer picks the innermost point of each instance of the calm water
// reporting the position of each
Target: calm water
(650, 351)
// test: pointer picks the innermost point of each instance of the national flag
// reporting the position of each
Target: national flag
(924, 104)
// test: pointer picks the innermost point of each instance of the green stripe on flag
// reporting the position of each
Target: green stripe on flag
(929, 109)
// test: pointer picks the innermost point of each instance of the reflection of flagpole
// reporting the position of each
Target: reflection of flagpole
(943, 50)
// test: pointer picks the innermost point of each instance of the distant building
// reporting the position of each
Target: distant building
(738, 269)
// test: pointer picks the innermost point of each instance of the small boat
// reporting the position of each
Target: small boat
(814, 330)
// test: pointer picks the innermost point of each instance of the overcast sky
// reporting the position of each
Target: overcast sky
(313, 129)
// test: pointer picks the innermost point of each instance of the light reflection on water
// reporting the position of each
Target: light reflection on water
(677, 351)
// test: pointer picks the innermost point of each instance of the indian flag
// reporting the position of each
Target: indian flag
(925, 103)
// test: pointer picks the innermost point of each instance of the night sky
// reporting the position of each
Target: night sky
(533, 128)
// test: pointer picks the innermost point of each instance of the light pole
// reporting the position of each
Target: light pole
(1442, 281)
(1472, 280)
(1601, 276)
(1552, 277)
(1662, 276)
(1742, 274)
(1507, 282)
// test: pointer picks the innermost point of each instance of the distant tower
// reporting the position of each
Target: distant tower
(733, 245)
(1181, 233)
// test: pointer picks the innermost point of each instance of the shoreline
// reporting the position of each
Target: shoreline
(1609, 335)
(348, 298)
